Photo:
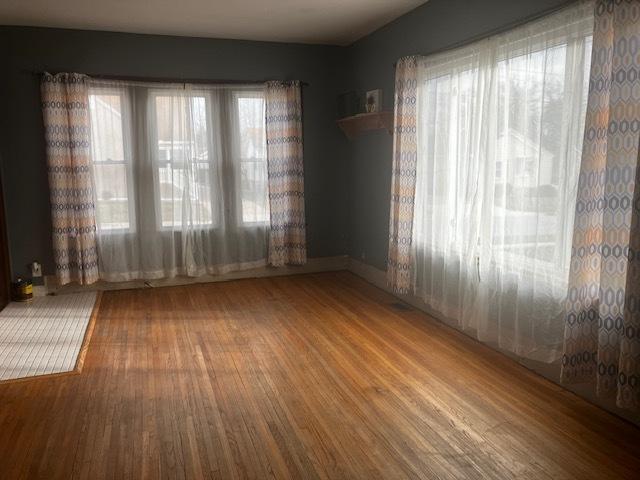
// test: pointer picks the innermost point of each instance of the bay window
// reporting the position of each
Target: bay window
(180, 178)
(500, 125)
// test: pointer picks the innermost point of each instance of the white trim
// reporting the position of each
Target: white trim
(313, 265)
(212, 271)
(379, 279)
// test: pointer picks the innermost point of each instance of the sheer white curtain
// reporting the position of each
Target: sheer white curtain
(500, 127)
(180, 178)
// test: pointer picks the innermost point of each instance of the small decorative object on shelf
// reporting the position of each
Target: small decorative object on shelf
(352, 126)
(373, 101)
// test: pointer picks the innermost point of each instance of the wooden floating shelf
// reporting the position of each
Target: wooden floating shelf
(352, 126)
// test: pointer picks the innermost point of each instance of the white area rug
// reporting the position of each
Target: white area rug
(43, 336)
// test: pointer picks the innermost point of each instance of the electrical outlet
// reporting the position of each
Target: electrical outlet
(36, 270)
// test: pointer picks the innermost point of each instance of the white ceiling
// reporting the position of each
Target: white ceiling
(336, 22)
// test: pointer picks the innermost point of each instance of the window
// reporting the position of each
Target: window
(534, 200)
(500, 138)
(184, 158)
(500, 125)
(112, 168)
(183, 163)
(253, 158)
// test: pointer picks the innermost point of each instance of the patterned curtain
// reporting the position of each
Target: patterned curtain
(403, 182)
(287, 244)
(602, 333)
(65, 107)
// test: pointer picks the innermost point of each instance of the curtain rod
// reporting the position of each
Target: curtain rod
(498, 30)
(200, 81)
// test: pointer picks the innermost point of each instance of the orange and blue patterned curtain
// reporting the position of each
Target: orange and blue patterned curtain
(403, 181)
(602, 333)
(65, 107)
(283, 107)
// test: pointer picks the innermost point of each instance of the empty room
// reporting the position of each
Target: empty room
(337, 239)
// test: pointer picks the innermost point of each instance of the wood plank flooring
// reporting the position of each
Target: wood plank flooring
(316, 376)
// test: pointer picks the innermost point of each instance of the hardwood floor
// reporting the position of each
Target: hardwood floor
(316, 376)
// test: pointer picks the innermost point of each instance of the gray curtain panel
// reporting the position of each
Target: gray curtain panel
(65, 108)
(602, 335)
(403, 181)
(287, 235)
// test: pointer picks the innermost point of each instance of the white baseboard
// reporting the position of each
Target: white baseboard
(313, 265)
(378, 278)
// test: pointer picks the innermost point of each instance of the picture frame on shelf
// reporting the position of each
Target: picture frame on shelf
(373, 101)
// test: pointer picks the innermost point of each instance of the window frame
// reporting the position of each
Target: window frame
(238, 95)
(458, 65)
(127, 161)
(139, 111)
(152, 111)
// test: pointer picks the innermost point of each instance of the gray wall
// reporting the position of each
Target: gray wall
(436, 25)
(27, 50)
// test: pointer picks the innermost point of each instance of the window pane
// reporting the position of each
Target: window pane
(181, 128)
(252, 134)
(112, 209)
(448, 103)
(183, 154)
(106, 128)
(178, 202)
(254, 192)
(499, 140)
(253, 161)
(109, 167)
(532, 161)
